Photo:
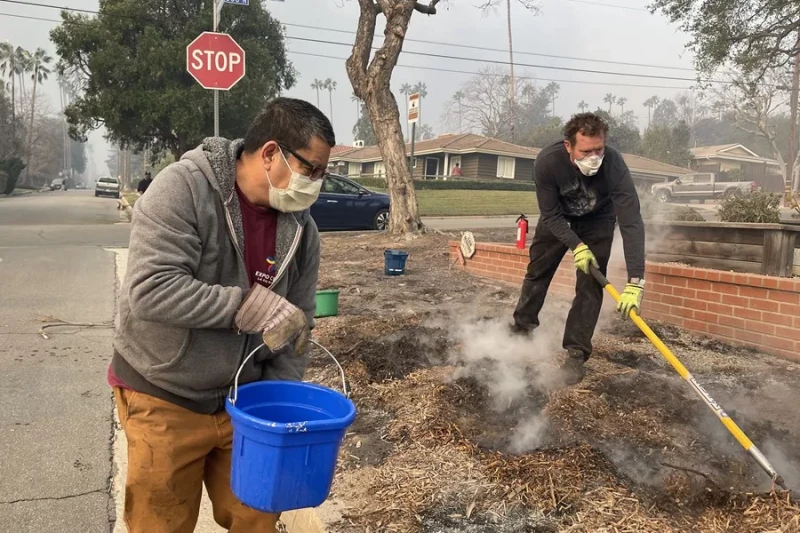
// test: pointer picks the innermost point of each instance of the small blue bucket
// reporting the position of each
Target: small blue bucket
(286, 438)
(394, 262)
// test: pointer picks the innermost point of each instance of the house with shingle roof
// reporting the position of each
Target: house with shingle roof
(480, 158)
(737, 159)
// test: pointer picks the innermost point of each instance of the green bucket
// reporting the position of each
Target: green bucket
(327, 303)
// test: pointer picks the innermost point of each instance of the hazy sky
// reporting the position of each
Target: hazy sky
(596, 31)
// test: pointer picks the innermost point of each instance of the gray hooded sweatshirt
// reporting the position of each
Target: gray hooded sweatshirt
(186, 278)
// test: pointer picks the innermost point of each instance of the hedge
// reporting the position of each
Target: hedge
(455, 184)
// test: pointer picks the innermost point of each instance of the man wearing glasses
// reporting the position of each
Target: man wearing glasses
(584, 189)
(223, 257)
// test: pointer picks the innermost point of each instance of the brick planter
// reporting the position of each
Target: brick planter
(762, 312)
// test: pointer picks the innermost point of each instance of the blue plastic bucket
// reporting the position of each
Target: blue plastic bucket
(286, 438)
(394, 262)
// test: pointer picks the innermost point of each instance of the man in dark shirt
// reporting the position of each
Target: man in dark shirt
(584, 189)
(145, 183)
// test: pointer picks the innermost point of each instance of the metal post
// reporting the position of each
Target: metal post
(216, 92)
(411, 162)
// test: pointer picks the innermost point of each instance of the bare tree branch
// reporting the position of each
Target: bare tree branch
(430, 9)
(356, 64)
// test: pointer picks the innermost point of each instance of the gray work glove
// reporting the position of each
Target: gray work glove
(279, 323)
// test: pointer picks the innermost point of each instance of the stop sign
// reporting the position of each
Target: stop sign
(215, 60)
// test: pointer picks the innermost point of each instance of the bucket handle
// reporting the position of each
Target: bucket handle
(234, 393)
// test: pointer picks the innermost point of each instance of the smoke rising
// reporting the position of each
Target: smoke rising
(529, 434)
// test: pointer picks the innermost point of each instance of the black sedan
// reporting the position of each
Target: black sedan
(344, 204)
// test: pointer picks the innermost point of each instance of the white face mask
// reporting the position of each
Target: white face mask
(299, 194)
(589, 165)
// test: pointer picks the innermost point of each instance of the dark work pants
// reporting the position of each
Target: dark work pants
(546, 255)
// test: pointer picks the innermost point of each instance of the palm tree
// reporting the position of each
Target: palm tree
(621, 101)
(24, 62)
(651, 103)
(422, 89)
(330, 85)
(39, 61)
(8, 63)
(583, 106)
(459, 97)
(317, 85)
(405, 89)
(610, 99)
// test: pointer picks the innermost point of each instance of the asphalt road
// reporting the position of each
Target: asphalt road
(56, 419)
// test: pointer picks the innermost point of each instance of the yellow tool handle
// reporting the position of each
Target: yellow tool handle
(726, 420)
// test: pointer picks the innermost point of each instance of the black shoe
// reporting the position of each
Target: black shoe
(522, 331)
(573, 369)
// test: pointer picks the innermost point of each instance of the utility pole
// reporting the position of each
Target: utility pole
(794, 183)
(511, 58)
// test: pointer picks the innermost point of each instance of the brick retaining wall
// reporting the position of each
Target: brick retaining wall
(762, 312)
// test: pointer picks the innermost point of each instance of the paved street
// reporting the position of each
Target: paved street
(56, 421)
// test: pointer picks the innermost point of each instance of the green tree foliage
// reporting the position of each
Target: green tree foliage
(622, 131)
(7, 141)
(363, 131)
(755, 35)
(542, 135)
(666, 144)
(78, 156)
(131, 60)
(665, 114)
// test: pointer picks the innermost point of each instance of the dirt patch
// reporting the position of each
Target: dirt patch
(440, 445)
(396, 355)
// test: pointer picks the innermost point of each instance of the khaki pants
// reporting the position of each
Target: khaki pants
(171, 452)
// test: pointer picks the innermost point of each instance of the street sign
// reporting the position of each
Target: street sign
(238, 2)
(413, 108)
(215, 60)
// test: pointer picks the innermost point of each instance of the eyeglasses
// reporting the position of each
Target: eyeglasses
(317, 173)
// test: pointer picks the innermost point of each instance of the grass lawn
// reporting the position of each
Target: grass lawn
(461, 202)
(476, 203)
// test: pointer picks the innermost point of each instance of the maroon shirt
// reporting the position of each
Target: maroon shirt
(260, 224)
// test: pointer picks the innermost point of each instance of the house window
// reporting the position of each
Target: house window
(380, 170)
(354, 169)
(505, 167)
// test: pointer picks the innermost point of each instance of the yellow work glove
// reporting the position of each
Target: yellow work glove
(631, 298)
(584, 258)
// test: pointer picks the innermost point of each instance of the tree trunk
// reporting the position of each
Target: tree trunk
(385, 118)
(330, 104)
(13, 116)
(30, 135)
(370, 81)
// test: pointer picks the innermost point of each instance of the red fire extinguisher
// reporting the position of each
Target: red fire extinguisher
(522, 231)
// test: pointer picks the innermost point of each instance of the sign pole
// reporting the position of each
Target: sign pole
(413, 135)
(217, 6)
(413, 117)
